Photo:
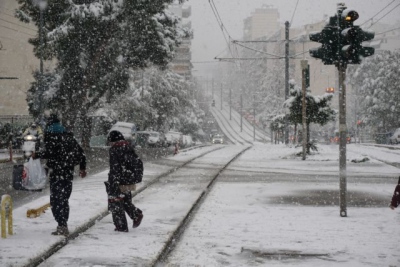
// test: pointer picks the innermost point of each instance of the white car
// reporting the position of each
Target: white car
(127, 129)
(217, 139)
(395, 138)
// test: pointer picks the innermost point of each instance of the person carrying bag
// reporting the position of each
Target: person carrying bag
(126, 170)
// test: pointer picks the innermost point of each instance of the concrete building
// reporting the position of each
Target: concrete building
(181, 63)
(17, 61)
(262, 22)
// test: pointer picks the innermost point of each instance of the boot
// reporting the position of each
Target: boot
(61, 230)
(138, 219)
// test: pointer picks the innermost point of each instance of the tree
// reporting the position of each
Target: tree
(95, 44)
(317, 109)
(157, 99)
(377, 82)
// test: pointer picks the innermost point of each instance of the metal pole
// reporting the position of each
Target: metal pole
(341, 66)
(41, 40)
(343, 141)
(230, 102)
(304, 65)
(241, 111)
(221, 96)
(286, 76)
(212, 88)
(254, 117)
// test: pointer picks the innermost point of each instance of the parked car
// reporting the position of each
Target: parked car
(127, 129)
(173, 138)
(217, 139)
(395, 138)
(187, 141)
(150, 138)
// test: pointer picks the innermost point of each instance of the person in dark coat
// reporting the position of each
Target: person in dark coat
(396, 197)
(62, 152)
(119, 194)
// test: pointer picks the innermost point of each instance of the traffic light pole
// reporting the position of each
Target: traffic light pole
(304, 66)
(286, 77)
(342, 66)
(342, 143)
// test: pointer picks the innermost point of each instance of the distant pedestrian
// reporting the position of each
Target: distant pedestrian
(119, 186)
(62, 152)
(176, 150)
(396, 197)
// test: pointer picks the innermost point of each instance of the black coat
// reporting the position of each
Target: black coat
(62, 152)
(118, 152)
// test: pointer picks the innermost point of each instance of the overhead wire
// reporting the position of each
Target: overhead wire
(18, 25)
(383, 16)
(220, 23)
(378, 12)
(388, 31)
(259, 51)
(294, 12)
(17, 31)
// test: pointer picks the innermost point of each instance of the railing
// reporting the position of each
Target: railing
(6, 214)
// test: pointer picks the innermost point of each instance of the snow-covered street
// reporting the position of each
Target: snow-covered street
(267, 208)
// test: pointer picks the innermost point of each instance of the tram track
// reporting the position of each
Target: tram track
(153, 182)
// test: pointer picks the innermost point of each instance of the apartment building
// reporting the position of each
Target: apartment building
(17, 61)
(181, 63)
(262, 22)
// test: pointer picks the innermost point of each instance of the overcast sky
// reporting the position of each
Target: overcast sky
(209, 42)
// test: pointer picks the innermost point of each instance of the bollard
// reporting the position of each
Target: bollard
(6, 202)
(33, 213)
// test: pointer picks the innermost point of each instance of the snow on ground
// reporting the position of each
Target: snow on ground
(240, 224)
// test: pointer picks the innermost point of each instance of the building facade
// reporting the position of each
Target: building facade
(262, 22)
(181, 63)
(17, 62)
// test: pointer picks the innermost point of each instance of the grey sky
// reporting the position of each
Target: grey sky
(208, 40)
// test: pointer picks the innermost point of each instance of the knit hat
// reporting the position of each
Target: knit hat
(115, 136)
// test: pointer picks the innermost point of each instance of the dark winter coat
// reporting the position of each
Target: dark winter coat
(61, 150)
(396, 197)
(117, 154)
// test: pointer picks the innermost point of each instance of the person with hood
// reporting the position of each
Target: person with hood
(62, 152)
(396, 197)
(119, 193)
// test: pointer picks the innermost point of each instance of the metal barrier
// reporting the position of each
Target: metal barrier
(6, 209)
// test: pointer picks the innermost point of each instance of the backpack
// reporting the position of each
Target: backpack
(132, 169)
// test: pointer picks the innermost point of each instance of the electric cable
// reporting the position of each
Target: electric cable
(17, 31)
(377, 13)
(18, 25)
(220, 23)
(259, 51)
(291, 20)
(383, 16)
(388, 31)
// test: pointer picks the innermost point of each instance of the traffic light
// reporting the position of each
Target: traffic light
(328, 52)
(352, 38)
(330, 90)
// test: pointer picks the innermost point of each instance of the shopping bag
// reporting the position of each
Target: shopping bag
(34, 175)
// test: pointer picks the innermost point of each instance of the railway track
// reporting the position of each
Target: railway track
(172, 178)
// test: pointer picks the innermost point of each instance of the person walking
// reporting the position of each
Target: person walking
(396, 197)
(62, 152)
(118, 189)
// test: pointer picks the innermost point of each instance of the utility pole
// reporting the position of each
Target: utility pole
(212, 88)
(221, 95)
(304, 65)
(241, 111)
(230, 102)
(254, 117)
(287, 25)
